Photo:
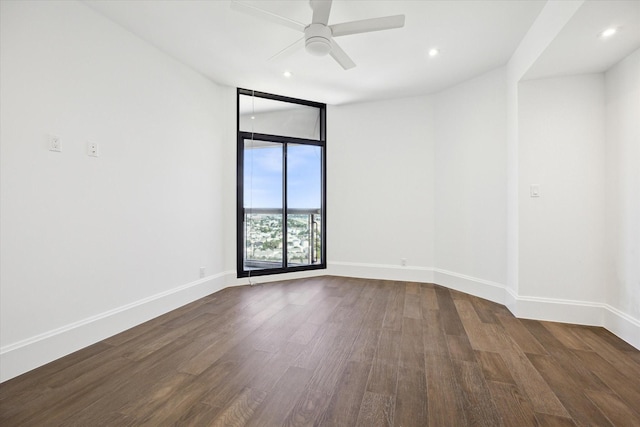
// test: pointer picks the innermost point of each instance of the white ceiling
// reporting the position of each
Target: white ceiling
(578, 49)
(232, 48)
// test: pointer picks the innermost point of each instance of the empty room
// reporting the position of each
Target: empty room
(320, 213)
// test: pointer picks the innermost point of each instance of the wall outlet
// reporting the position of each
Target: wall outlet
(202, 272)
(54, 143)
(92, 149)
(403, 262)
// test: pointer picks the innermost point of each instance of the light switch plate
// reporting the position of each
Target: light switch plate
(535, 190)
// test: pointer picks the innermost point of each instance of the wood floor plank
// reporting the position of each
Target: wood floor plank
(266, 379)
(564, 357)
(311, 405)
(364, 348)
(327, 374)
(547, 420)
(428, 298)
(460, 348)
(332, 351)
(478, 407)
(493, 367)
(433, 334)
(245, 368)
(375, 315)
(619, 382)
(62, 401)
(412, 307)
(618, 358)
(478, 333)
(375, 410)
(240, 410)
(411, 349)
(304, 333)
(411, 399)
(384, 370)
(395, 309)
(275, 408)
(529, 379)
(344, 407)
(570, 393)
(521, 335)
(567, 336)
(199, 415)
(617, 411)
(449, 316)
(512, 405)
(444, 404)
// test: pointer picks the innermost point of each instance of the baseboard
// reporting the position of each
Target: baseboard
(622, 325)
(486, 289)
(472, 285)
(587, 313)
(28, 354)
(23, 356)
(558, 310)
(381, 272)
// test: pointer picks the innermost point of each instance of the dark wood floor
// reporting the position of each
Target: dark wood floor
(337, 352)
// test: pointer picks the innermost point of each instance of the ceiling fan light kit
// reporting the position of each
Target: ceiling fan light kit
(317, 39)
(319, 35)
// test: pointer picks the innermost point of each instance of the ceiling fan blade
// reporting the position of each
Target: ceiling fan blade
(266, 15)
(341, 56)
(367, 25)
(321, 10)
(288, 50)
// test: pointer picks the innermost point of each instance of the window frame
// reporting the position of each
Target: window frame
(284, 140)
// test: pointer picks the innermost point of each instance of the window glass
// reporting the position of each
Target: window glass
(281, 184)
(272, 117)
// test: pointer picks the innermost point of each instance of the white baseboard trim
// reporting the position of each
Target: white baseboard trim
(28, 354)
(486, 289)
(25, 355)
(381, 272)
(472, 285)
(587, 313)
(622, 325)
(558, 310)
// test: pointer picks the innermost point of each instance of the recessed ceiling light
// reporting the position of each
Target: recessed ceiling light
(608, 32)
(253, 117)
(287, 74)
(434, 52)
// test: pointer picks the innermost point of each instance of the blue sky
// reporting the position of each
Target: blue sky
(263, 176)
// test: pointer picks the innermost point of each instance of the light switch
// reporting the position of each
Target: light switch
(535, 190)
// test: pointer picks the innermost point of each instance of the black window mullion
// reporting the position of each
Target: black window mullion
(285, 231)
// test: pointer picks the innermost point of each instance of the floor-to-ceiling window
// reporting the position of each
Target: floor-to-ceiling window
(281, 184)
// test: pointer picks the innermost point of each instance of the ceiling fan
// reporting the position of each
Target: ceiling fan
(319, 35)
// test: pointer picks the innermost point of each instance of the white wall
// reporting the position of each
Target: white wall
(380, 187)
(91, 246)
(470, 176)
(622, 109)
(561, 147)
(552, 19)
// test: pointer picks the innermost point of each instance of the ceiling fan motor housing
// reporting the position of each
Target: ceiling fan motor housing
(317, 39)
